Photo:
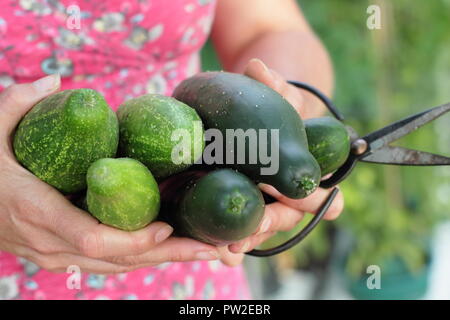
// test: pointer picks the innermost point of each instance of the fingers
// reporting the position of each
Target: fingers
(51, 213)
(95, 240)
(285, 214)
(229, 258)
(17, 99)
(257, 70)
(173, 249)
(311, 203)
(279, 217)
(250, 243)
(117, 248)
(102, 241)
(295, 97)
(121, 249)
(147, 246)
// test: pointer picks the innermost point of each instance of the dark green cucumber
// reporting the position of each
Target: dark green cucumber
(122, 193)
(219, 207)
(233, 101)
(328, 141)
(62, 135)
(148, 126)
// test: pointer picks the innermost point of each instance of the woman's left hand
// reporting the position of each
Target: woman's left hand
(286, 213)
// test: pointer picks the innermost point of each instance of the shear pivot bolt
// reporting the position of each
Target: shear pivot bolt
(359, 146)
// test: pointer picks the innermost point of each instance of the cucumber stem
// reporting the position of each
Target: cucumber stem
(307, 184)
(237, 203)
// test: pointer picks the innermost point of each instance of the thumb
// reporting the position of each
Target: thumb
(17, 99)
(257, 70)
(229, 258)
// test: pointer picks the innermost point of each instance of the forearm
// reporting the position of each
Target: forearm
(297, 55)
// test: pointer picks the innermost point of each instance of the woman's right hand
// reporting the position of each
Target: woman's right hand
(40, 224)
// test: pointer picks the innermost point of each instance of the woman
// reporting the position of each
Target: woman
(125, 49)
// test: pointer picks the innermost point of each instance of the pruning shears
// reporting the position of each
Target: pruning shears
(374, 148)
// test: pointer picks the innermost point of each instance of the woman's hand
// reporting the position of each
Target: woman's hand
(286, 213)
(38, 223)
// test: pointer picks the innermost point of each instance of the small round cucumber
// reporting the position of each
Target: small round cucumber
(122, 193)
(153, 126)
(219, 208)
(328, 141)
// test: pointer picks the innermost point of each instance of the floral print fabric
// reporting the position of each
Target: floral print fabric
(123, 49)
(120, 48)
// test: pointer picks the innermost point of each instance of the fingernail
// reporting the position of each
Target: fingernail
(244, 247)
(163, 234)
(47, 83)
(207, 255)
(265, 225)
(260, 65)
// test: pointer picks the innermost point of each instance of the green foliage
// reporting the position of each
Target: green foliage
(380, 78)
(209, 58)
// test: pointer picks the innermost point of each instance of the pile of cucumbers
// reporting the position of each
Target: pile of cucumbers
(132, 167)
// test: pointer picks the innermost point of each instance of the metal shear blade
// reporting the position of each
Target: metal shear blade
(379, 150)
(407, 157)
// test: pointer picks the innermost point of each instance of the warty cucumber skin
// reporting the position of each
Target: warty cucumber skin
(232, 101)
(122, 193)
(328, 141)
(146, 126)
(219, 208)
(59, 138)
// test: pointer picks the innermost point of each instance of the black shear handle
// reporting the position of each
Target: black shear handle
(302, 234)
(321, 96)
(313, 223)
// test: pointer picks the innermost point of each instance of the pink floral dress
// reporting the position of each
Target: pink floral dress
(123, 49)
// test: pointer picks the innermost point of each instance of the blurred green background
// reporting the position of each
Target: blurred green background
(391, 212)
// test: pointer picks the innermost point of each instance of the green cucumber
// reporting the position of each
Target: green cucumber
(122, 193)
(147, 127)
(62, 135)
(219, 207)
(328, 141)
(232, 101)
